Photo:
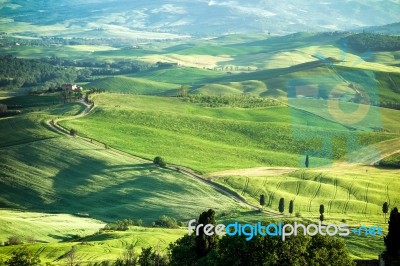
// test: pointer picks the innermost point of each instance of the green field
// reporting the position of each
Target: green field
(57, 191)
(133, 85)
(107, 246)
(194, 136)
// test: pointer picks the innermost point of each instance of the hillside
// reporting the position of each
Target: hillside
(165, 20)
(194, 136)
(132, 85)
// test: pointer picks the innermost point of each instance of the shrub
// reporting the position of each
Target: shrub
(73, 132)
(298, 215)
(159, 161)
(167, 222)
(13, 240)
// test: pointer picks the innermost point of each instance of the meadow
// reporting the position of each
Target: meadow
(195, 136)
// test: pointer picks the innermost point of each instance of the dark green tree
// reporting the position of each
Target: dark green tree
(281, 205)
(148, 257)
(321, 209)
(291, 207)
(392, 239)
(385, 209)
(307, 163)
(183, 251)
(23, 257)
(204, 243)
(321, 217)
(262, 200)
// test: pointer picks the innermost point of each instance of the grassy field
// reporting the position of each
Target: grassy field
(107, 246)
(181, 75)
(45, 227)
(195, 136)
(79, 177)
(123, 84)
(356, 193)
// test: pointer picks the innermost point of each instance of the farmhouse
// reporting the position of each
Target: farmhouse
(72, 87)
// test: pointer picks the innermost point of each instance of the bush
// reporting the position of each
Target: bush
(298, 215)
(123, 225)
(14, 240)
(23, 257)
(159, 161)
(167, 222)
(73, 132)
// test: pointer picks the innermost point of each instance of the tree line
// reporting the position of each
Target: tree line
(373, 41)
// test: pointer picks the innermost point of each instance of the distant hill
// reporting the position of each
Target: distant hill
(163, 19)
(390, 29)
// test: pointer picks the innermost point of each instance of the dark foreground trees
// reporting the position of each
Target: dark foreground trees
(23, 257)
(392, 239)
(261, 250)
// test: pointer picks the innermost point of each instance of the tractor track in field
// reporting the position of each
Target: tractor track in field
(246, 186)
(318, 179)
(256, 194)
(272, 195)
(53, 124)
(335, 183)
(349, 190)
(366, 199)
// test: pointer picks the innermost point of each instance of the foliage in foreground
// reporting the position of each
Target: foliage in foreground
(236, 250)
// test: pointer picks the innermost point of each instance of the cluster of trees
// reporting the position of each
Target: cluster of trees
(242, 101)
(16, 73)
(50, 73)
(123, 225)
(260, 250)
(59, 41)
(167, 222)
(374, 42)
(93, 68)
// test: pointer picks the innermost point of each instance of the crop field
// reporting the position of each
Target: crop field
(44, 227)
(102, 247)
(352, 192)
(133, 85)
(79, 177)
(181, 75)
(195, 136)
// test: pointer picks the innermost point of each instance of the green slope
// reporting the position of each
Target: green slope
(195, 136)
(181, 75)
(132, 85)
(66, 175)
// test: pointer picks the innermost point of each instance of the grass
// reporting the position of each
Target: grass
(123, 84)
(181, 75)
(45, 227)
(71, 176)
(345, 191)
(195, 136)
(107, 246)
(353, 193)
(30, 126)
(391, 161)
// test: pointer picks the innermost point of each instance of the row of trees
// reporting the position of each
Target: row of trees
(242, 101)
(374, 42)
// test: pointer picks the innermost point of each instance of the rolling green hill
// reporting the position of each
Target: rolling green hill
(66, 175)
(194, 136)
(181, 75)
(123, 84)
